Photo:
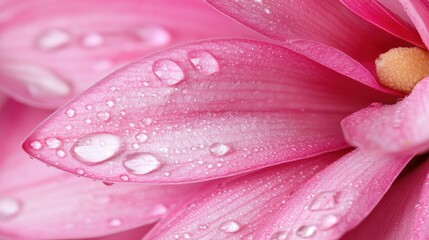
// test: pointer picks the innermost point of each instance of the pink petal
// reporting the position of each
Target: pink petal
(403, 212)
(133, 234)
(51, 51)
(418, 11)
(392, 128)
(43, 202)
(202, 111)
(291, 201)
(377, 14)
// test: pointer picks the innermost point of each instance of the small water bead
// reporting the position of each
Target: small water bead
(68, 127)
(203, 226)
(324, 201)
(36, 145)
(9, 207)
(80, 171)
(103, 116)
(186, 236)
(141, 137)
(154, 35)
(61, 153)
(159, 209)
(53, 143)
(110, 103)
(96, 147)
(124, 178)
(168, 71)
(88, 121)
(92, 40)
(329, 221)
(230, 226)
(135, 146)
(280, 235)
(219, 149)
(204, 62)
(53, 39)
(306, 231)
(115, 222)
(70, 112)
(141, 163)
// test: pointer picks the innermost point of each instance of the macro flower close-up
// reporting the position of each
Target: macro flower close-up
(216, 119)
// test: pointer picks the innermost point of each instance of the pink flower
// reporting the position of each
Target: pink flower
(256, 133)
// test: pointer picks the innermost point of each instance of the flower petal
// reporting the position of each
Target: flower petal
(51, 51)
(377, 14)
(402, 213)
(133, 234)
(418, 11)
(202, 111)
(43, 202)
(291, 201)
(392, 128)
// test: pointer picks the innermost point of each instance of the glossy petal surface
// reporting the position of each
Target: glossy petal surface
(202, 111)
(418, 11)
(39, 201)
(296, 200)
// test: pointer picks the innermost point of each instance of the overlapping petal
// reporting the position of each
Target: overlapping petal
(52, 51)
(392, 128)
(403, 212)
(202, 111)
(418, 11)
(291, 201)
(43, 203)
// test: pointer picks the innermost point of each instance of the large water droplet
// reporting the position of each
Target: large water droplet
(154, 35)
(70, 112)
(141, 163)
(219, 149)
(35, 145)
(324, 201)
(168, 71)
(92, 40)
(204, 62)
(328, 221)
(306, 231)
(53, 143)
(53, 39)
(96, 147)
(230, 226)
(9, 207)
(280, 235)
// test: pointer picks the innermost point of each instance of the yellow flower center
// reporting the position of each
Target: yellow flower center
(402, 68)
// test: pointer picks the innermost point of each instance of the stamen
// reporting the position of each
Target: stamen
(402, 68)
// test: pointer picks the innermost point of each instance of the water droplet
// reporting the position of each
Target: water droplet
(324, 201)
(135, 146)
(92, 40)
(141, 163)
(61, 153)
(306, 231)
(230, 226)
(204, 62)
(53, 143)
(115, 222)
(124, 177)
(53, 39)
(280, 235)
(203, 226)
(110, 103)
(70, 112)
(68, 127)
(36, 145)
(141, 137)
(80, 171)
(267, 10)
(159, 209)
(96, 147)
(186, 236)
(168, 71)
(219, 149)
(103, 116)
(88, 121)
(154, 35)
(329, 221)
(9, 207)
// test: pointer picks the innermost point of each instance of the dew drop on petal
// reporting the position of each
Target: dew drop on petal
(280, 235)
(186, 236)
(110, 103)
(53, 143)
(324, 201)
(141, 163)
(154, 35)
(204, 62)
(70, 112)
(103, 116)
(306, 231)
(92, 40)
(168, 71)
(79, 171)
(159, 209)
(53, 39)
(219, 149)
(124, 177)
(230, 226)
(141, 137)
(61, 153)
(96, 147)
(35, 145)
(9, 207)
(329, 221)
(115, 222)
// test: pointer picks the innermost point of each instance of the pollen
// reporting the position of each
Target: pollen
(402, 68)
